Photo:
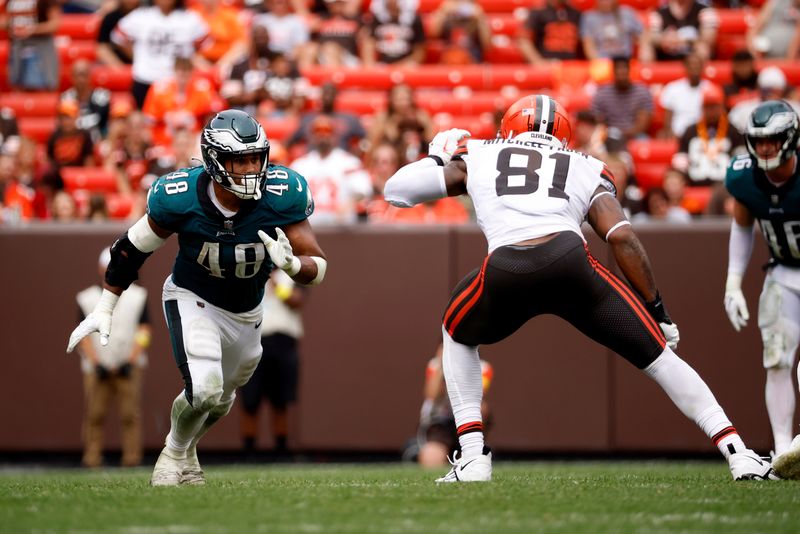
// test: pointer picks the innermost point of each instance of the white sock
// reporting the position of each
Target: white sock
(693, 397)
(462, 373)
(185, 422)
(779, 393)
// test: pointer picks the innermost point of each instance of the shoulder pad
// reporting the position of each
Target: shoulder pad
(171, 196)
(288, 193)
(739, 172)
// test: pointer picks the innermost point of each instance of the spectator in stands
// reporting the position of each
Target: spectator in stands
(32, 59)
(382, 162)
(114, 372)
(288, 31)
(111, 150)
(744, 79)
(98, 208)
(623, 104)
(552, 32)
(772, 85)
(609, 30)
(348, 127)
(9, 131)
(658, 208)
(63, 208)
(401, 115)
(679, 28)
(244, 88)
(337, 178)
(93, 102)
(16, 200)
(395, 34)
(776, 31)
(682, 99)
(181, 101)
(277, 375)
(706, 147)
(336, 37)
(69, 146)
(674, 186)
(589, 135)
(463, 26)
(226, 40)
(154, 37)
(108, 52)
(285, 89)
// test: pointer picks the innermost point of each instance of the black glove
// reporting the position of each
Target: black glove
(124, 370)
(101, 372)
(657, 310)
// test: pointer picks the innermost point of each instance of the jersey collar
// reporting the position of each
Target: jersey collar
(211, 210)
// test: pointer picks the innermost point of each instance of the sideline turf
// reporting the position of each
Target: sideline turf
(524, 498)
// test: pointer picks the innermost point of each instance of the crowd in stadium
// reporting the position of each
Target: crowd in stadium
(99, 100)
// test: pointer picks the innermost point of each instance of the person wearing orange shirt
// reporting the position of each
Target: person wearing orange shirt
(182, 101)
(225, 42)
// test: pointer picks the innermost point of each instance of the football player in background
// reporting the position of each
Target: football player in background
(531, 196)
(237, 217)
(764, 184)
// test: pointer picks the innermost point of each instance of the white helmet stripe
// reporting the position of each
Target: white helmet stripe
(543, 124)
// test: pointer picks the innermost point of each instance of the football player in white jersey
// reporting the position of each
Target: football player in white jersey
(531, 196)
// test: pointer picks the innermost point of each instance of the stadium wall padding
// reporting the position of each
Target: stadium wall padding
(370, 329)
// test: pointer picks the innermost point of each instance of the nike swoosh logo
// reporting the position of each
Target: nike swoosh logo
(465, 464)
(259, 324)
(299, 186)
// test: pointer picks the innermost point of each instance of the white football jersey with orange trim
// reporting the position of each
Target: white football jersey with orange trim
(523, 190)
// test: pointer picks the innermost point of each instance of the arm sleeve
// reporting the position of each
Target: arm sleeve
(414, 183)
(740, 247)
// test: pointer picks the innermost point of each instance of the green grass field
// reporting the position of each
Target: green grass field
(524, 497)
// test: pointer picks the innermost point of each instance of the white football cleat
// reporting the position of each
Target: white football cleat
(787, 464)
(474, 469)
(747, 465)
(168, 469)
(192, 474)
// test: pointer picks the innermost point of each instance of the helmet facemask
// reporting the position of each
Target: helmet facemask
(243, 185)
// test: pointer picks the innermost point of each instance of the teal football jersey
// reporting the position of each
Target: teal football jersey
(777, 209)
(222, 259)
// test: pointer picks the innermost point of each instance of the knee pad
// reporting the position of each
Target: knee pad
(223, 407)
(208, 393)
(244, 371)
(779, 334)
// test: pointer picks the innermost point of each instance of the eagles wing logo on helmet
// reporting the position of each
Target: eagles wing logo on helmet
(777, 121)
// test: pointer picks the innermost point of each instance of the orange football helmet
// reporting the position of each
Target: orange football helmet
(540, 116)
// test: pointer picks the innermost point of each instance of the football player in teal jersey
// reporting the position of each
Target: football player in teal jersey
(237, 217)
(766, 186)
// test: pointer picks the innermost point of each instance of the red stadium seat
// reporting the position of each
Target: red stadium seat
(119, 206)
(112, 78)
(490, 6)
(31, 104)
(504, 54)
(652, 150)
(37, 128)
(73, 50)
(279, 129)
(480, 126)
(728, 44)
(94, 179)
(735, 21)
(79, 26)
(650, 175)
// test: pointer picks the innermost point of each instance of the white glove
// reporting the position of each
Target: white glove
(280, 251)
(735, 303)
(670, 331)
(99, 320)
(445, 143)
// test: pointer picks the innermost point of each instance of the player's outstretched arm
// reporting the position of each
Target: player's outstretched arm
(740, 247)
(430, 178)
(128, 253)
(608, 220)
(296, 251)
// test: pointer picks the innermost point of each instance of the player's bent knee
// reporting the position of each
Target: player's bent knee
(779, 335)
(223, 407)
(208, 393)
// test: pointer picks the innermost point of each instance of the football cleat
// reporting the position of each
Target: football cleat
(168, 470)
(787, 464)
(747, 465)
(474, 469)
(192, 474)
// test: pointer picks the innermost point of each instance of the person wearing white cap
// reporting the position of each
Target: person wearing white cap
(114, 370)
(772, 85)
